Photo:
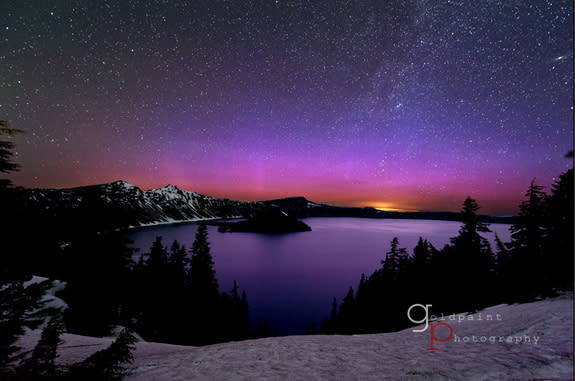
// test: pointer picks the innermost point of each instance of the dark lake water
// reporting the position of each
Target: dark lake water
(291, 279)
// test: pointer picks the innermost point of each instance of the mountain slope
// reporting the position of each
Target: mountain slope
(120, 205)
(391, 356)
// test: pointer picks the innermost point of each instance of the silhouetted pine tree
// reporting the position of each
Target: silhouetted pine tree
(179, 301)
(235, 313)
(163, 294)
(110, 364)
(329, 324)
(422, 257)
(13, 257)
(559, 242)
(392, 287)
(239, 314)
(368, 313)
(202, 275)
(175, 295)
(158, 295)
(395, 260)
(99, 283)
(234, 292)
(178, 262)
(158, 256)
(468, 233)
(20, 307)
(527, 233)
(471, 261)
(41, 364)
(207, 309)
(6, 154)
(468, 268)
(506, 273)
(362, 301)
(527, 239)
(347, 314)
(420, 276)
(18, 304)
(244, 317)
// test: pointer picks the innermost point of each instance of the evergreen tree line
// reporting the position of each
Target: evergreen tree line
(468, 274)
(168, 295)
(171, 296)
(22, 307)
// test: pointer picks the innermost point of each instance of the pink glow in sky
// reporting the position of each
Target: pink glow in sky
(397, 104)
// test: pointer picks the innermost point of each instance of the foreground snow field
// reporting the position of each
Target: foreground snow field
(501, 351)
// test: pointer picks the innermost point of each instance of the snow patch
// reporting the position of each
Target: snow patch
(390, 356)
(50, 299)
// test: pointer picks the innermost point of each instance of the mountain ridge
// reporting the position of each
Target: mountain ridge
(120, 204)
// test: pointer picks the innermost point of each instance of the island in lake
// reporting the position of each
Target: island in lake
(269, 221)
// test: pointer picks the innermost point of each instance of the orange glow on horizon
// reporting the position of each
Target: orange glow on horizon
(387, 206)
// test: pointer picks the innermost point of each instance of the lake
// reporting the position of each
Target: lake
(291, 279)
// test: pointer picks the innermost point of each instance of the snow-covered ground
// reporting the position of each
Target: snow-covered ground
(501, 351)
(50, 299)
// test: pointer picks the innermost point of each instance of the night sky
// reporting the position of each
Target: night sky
(410, 105)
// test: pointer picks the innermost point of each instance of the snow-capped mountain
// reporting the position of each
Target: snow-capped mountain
(120, 204)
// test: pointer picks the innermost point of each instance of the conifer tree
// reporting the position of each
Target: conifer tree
(469, 232)
(508, 281)
(329, 324)
(420, 276)
(244, 323)
(96, 305)
(206, 307)
(560, 228)
(155, 295)
(527, 233)
(347, 314)
(9, 261)
(361, 290)
(110, 364)
(362, 305)
(158, 256)
(395, 260)
(41, 363)
(237, 316)
(202, 275)
(333, 312)
(6, 154)
(471, 261)
(21, 307)
(421, 254)
(178, 261)
(527, 239)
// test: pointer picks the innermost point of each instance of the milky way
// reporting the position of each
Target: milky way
(396, 104)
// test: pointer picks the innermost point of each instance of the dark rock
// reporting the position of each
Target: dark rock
(271, 220)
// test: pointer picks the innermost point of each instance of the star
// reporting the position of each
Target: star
(258, 101)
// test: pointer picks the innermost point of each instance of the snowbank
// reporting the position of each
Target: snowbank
(392, 356)
(50, 299)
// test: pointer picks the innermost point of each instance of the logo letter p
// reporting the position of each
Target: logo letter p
(432, 337)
